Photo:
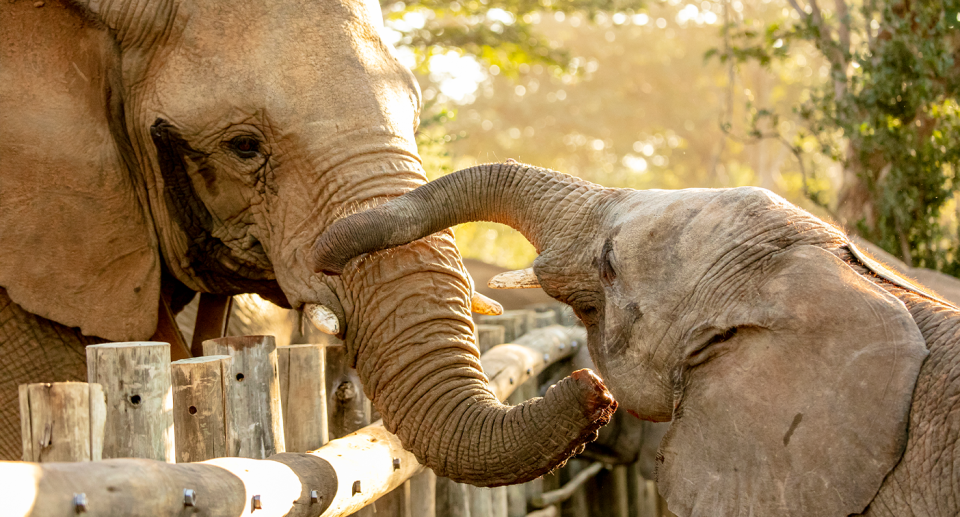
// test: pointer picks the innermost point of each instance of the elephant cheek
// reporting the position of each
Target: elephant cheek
(638, 382)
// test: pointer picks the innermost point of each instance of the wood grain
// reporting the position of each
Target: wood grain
(62, 421)
(136, 383)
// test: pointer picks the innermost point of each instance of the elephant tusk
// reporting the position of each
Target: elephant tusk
(323, 318)
(520, 279)
(480, 304)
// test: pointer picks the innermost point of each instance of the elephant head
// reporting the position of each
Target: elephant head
(787, 375)
(214, 141)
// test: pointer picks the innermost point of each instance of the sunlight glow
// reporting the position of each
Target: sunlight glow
(635, 163)
(458, 76)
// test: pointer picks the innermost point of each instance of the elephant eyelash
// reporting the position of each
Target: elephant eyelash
(607, 271)
(697, 356)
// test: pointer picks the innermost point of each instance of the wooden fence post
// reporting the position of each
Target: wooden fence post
(136, 383)
(254, 419)
(62, 421)
(423, 494)
(303, 396)
(489, 336)
(515, 323)
(544, 319)
(452, 499)
(200, 407)
(292, 484)
(348, 409)
(498, 499)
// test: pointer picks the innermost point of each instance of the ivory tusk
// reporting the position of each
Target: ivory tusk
(323, 318)
(480, 304)
(520, 279)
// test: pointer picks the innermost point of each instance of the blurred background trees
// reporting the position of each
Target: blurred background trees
(849, 110)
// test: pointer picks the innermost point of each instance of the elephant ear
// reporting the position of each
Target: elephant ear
(76, 245)
(803, 412)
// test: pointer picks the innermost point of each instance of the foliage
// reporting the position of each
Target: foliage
(887, 111)
(636, 107)
(501, 33)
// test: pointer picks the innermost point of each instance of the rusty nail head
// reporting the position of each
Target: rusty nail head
(396, 463)
(356, 487)
(80, 502)
(256, 504)
(189, 497)
(315, 497)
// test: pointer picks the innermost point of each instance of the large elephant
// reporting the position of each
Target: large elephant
(174, 146)
(801, 377)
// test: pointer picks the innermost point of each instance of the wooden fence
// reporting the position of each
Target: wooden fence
(228, 434)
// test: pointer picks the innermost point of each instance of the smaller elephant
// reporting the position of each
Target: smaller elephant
(800, 376)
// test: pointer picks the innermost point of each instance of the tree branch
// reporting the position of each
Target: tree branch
(843, 28)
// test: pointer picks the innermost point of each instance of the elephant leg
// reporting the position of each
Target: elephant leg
(33, 349)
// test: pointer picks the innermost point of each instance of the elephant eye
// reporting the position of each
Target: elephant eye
(607, 273)
(245, 147)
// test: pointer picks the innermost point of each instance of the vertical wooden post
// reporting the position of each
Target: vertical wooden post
(544, 319)
(619, 495)
(213, 316)
(254, 419)
(489, 336)
(303, 396)
(578, 504)
(452, 499)
(423, 494)
(395, 503)
(347, 407)
(523, 321)
(62, 421)
(199, 407)
(136, 383)
(481, 501)
(515, 323)
(498, 500)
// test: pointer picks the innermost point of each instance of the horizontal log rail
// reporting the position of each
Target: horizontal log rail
(337, 479)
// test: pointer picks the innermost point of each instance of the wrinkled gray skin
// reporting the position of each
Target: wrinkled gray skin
(797, 382)
(201, 145)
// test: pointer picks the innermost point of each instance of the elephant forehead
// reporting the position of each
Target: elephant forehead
(668, 241)
(700, 223)
(290, 57)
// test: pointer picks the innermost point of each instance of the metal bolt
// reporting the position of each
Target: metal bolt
(511, 380)
(256, 504)
(396, 463)
(546, 358)
(315, 497)
(189, 497)
(529, 371)
(80, 502)
(356, 487)
(562, 346)
(574, 344)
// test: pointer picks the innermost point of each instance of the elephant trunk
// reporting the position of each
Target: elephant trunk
(526, 198)
(428, 383)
